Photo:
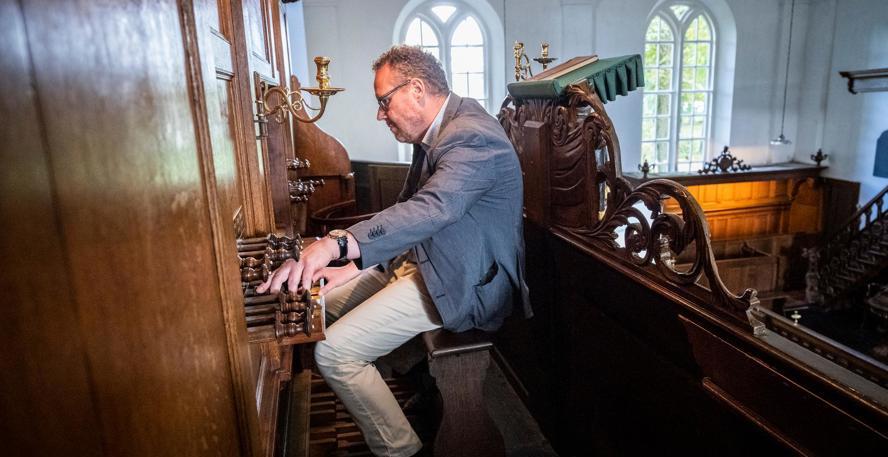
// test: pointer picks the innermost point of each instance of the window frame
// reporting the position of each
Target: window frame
(679, 27)
(424, 15)
(444, 32)
(454, 21)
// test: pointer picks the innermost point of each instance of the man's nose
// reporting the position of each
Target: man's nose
(380, 114)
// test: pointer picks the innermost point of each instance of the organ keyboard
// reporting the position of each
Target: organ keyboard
(288, 317)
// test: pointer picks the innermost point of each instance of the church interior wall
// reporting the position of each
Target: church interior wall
(853, 123)
(828, 36)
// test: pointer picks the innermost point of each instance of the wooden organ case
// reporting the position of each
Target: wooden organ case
(133, 165)
(264, 196)
(628, 354)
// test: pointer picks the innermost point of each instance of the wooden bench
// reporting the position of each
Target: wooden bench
(458, 362)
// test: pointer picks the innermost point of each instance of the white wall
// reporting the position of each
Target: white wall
(298, 46)
(849, 124)
(828, 35)
(353, 33)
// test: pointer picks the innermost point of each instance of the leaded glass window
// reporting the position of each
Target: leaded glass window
(677, 106)
(467, 61)
(421, 33)
(454, 35)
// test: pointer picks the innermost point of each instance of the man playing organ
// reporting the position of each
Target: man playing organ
(449, 253)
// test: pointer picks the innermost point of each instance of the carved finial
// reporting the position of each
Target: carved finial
(819, 157)
(645, 168)
(724, 163)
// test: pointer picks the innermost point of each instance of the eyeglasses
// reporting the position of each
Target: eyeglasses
(386, 98)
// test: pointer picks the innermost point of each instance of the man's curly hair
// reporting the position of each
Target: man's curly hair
(413, 62)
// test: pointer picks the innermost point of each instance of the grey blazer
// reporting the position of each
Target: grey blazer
(463, 223)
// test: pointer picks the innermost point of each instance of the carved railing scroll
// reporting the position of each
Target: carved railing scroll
(571, 160)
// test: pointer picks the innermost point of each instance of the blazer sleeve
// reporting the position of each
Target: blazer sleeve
(463, 173)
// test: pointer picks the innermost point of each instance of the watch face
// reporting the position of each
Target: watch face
(337, 233)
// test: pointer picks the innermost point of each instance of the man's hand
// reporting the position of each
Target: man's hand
(314, 258)
(336, 276)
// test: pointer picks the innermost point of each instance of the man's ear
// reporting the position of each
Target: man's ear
(418, 87)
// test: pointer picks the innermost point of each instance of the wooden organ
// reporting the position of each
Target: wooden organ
(156, 202)
(287, 317)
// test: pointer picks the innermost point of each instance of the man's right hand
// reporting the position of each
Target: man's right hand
(314, 258)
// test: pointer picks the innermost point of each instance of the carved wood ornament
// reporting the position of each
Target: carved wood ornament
(570, 155)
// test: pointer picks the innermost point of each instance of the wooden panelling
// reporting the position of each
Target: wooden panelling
(615, 357)
(130, 154)
(46, 396)
(755, 208)
(749, 386)
(609, 363)
(253, 159)
(278, 148)
(260, 41)
(135, 219)
(228, 184)
(840, 202)
(377, 185)
(257, 30)
(386, 183)
(768, 200)
(240, 180)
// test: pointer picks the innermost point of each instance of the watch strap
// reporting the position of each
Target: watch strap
(341, 239)
(343, 247)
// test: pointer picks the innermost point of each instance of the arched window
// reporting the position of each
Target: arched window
(467, 37)
(679, 57)
(453, 34)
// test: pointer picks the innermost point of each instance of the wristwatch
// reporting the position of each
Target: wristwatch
(341, 237)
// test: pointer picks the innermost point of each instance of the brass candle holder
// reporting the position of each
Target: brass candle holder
(523, 69)
(544, 58)
(522, 62)
(292, 102)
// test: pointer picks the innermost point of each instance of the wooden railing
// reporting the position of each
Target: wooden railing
(857, 251)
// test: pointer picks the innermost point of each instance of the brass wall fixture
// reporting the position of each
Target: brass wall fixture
(292, 102)
(544, 58)
(522, 62)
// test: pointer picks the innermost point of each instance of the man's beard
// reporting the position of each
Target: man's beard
(403, 135)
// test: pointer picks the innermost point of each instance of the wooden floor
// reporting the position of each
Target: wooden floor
(333, 433)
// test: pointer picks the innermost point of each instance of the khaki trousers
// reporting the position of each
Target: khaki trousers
(373, 314)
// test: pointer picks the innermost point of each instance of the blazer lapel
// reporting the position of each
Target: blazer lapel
(423, 163)
(413, 174)
(449, 113)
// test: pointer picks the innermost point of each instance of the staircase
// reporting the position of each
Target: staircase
(855, 255)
